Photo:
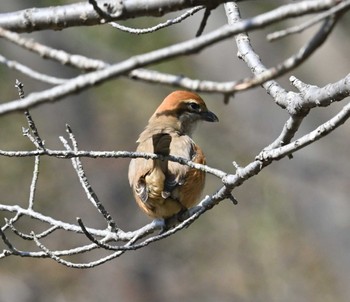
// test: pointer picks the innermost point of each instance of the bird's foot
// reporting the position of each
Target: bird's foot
(170, 222)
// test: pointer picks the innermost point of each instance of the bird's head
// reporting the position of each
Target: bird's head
(182, 110)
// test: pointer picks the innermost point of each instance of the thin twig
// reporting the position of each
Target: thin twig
(51, 221)
(289, 130)
(29, 237)
(88, 234)
(92, 196)
(12, 249)
(46, 52)
(33, 184)
(31, 72)
(204, 21)
(319, 132)
(341, 7)
(38, 142)
(139, 31)
(12, 220)
(91, 264)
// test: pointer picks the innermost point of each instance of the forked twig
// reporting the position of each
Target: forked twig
(92, 196)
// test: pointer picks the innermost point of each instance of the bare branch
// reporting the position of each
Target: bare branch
(73, 60)
(34, 182)
(31, 72)
(204, 21)
(64, 154)
(52, 255)
(49, 220)
(264, 75)
(85, 63)
(189, 47)
(149, 76)
(341, 7)
(84, 14)
(289, 129)
(91, 195)
(139, 31)
(11, 248)
(30, 237)
(37, 140)
(314, 96)
(319, 132)
(292, 62)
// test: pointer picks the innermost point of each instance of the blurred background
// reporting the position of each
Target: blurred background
(287, 239)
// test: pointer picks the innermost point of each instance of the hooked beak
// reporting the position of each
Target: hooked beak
(209, 116)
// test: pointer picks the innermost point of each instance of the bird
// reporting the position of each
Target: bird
(164, 188)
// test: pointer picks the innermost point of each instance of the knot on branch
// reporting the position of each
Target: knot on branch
(107, 9)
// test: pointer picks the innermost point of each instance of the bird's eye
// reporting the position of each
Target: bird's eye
(194, 106)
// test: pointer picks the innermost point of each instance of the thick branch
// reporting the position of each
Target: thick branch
(314, 96)
(83, 13)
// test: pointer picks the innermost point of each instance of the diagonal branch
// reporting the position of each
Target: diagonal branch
(289, 64)
(91, 195)
(341, 7)
(31, 72)
(318, 133)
